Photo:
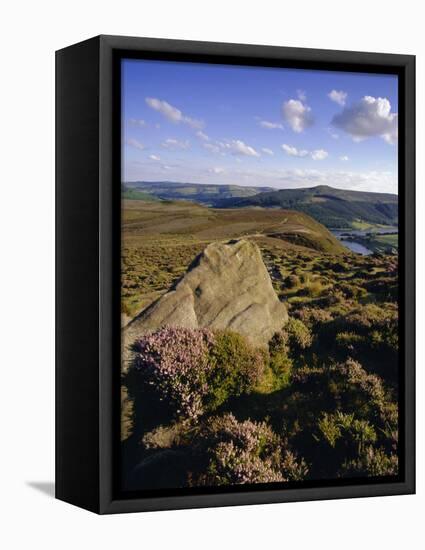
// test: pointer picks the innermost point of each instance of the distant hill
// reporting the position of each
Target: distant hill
(135, 194)
(332, 207)
(197, 192)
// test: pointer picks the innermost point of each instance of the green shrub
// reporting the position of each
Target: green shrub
(312, 317)
(297, 335)
(237, 367)
(372, 462)
(347, 340)
(351, 290)
(279, 362)
(346, 428)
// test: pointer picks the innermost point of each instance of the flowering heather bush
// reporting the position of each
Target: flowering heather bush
(344, 380)
(245, 452)
(312, 317)
(379, 326)
(175, 362)
(373, 462)
(197, 370)
(369, 384)
(296, 335)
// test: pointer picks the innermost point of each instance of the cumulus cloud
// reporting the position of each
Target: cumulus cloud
(344, 158)
(174, 144)
(297, 114)
(251, 174)
(338, 96)
(212, 148)
(238, 147)
(172, 113)
(154, 157)
(293, 151)
(235, 147)
(381, 182)
(319, 154)
(135, 143)
(202, 135)
(270, 125)
(302, 96)
(370, 117)
(267, 151)
(216, 170)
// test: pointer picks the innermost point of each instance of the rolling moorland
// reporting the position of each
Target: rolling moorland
(197, 192)
(319, 401)
(334, 208)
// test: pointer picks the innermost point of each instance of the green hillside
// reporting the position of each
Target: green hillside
(135, 194)
(197, 192)
(332, 207)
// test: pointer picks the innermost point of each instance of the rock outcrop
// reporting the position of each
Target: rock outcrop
(226, 287)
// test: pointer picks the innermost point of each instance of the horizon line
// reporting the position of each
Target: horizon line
(258, 186)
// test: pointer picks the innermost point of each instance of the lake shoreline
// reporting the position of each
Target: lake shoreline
(368, 241)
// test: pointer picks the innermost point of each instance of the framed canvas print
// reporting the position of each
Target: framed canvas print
(235, 274)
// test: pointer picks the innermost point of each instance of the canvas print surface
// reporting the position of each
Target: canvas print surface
(259, 276)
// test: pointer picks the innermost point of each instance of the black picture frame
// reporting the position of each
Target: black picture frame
(88, 278)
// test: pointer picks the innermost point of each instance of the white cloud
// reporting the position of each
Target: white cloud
(135, 143)
(301, 95)
(172, 113)
(338, 96)
(174, 144)
(332, 133)
(297, 114)
(267, 151)
(344, 158)
(238, 147)
(235, 147)
(212, 148)
(369, 117)
(154, 157)
(216, 170)
(270, 125)
(202, 135)
(293, 151)
(380, 182)
(137, 122)
(284, 178)
(319, 154)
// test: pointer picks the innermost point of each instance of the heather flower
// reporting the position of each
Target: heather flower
(197, 369)
(372, 462)
(245, 452)
(175, 362)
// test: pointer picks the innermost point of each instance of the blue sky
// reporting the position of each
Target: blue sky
(282, 128)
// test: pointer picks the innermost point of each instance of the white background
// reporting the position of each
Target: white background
(30, 33)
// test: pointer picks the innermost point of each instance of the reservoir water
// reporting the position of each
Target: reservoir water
(354, 246)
